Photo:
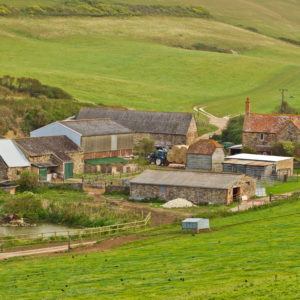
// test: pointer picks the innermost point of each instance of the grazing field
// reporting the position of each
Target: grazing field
(246, 256)
(151, 62)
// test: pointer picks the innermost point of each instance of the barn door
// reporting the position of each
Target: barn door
(68, 170)
(43, 173)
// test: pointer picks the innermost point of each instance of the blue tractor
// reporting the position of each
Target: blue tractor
(159, 158)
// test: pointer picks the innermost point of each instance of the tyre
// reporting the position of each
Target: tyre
(158, 161)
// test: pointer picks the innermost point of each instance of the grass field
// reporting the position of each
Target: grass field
(254, 255)
(143, 63)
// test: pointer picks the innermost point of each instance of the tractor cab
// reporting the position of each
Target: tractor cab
(159, 157)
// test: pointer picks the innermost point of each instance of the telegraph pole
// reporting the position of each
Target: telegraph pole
(282, 98)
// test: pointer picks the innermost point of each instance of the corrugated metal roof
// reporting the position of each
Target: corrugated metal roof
(96, 127)
(188, 179)
(258, 157)
(12, 155)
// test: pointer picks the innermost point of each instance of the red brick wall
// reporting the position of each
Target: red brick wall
(119, 153)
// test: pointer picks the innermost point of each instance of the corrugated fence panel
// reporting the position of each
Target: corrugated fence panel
(198, 162)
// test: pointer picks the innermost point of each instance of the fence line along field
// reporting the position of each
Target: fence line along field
(248, 255)
(152, 62)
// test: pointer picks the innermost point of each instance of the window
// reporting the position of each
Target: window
(262, 137)
(162, 190)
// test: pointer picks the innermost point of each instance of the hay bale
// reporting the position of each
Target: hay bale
(178, 154)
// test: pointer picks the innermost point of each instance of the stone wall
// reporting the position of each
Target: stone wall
(217, 160)
(192, 133)
(285, 167)
(73, 185)
(252, 139)
(195, 195)
(14, 173)
(248, 186)
(3, 170)
(77, 158)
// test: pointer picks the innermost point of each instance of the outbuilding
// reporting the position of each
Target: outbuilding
(97, 137)
(207, 155)
(53, 156)
(12, 161)
(259, 166)
(197, 187)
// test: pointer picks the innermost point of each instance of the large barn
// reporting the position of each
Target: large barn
(197, 187)
(97, 137)
(165, 128)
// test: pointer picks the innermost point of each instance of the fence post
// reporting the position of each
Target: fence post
(2, 247)
(42, 236)
(270, 197)
(69, 243)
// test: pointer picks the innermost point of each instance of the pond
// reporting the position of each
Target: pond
(39, 228)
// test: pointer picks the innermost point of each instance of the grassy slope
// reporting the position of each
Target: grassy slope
(130, 62)
(252, 255)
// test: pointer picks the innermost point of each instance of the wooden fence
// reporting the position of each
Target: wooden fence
(79, 233)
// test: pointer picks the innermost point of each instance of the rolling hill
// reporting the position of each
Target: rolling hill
(162, 62)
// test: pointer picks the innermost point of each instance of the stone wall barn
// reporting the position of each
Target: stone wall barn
(12, 161)
(207, 155)
(165, 128)
(262, 131)
(259, 166)
(53, 155)
(98, 137)
(197, 187)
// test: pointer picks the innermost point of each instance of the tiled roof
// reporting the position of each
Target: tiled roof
(156, 122)
(273, 123)
(204, 147)
(57, 145)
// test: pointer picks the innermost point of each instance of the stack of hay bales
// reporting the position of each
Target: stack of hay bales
(178, 154)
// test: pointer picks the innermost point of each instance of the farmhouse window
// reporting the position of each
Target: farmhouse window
(162, 190)
(262, 136)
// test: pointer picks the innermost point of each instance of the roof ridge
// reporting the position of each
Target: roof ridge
(150, 111)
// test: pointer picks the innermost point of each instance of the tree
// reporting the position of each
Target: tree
(144, 147)
(247, 149)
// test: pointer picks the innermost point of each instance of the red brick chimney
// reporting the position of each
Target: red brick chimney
(247, 110)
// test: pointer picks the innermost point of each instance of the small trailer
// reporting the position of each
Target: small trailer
(195, 224)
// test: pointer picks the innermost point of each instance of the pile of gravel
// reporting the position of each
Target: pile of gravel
(177, 203)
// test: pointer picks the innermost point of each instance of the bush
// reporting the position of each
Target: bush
(233, 132)
(28, 180)
(25, 205)
(247, 149)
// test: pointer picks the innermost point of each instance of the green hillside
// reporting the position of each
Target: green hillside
(162, 62)
(254, 255)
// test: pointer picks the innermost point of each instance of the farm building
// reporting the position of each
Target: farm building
(53, 157)
(165, 128)
(12, 161)
(98, 138)
(206, 155)
(112, 165)
(262, 131)
(197, 187)
(259, 166)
